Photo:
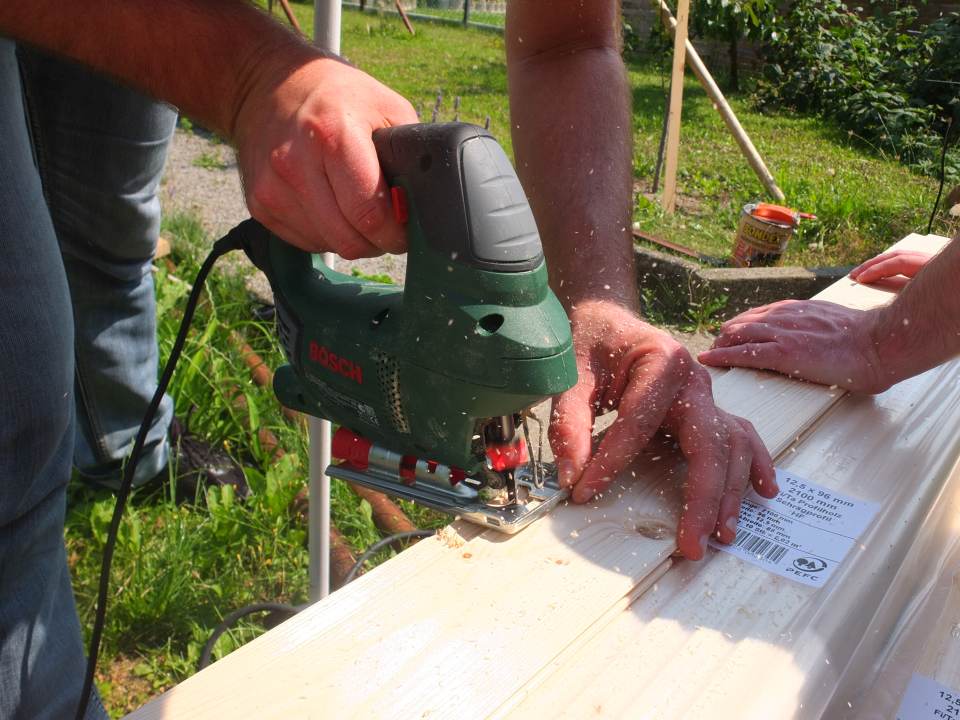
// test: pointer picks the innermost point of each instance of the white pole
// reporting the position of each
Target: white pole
(326, 35)
(326, 25)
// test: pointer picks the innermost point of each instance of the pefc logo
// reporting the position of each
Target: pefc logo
(810, 565)
(338, 364)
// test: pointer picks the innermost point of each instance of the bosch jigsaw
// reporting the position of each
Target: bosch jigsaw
(430, 382)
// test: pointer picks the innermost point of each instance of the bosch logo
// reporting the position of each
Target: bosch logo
(336, 363)
(809, 565)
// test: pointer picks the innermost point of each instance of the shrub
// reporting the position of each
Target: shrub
(731, 21)
(886, 80)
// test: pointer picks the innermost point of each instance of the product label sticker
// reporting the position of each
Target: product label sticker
(926, 699)
(803, 534)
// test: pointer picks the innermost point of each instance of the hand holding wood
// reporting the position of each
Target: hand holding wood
(890, 264)
(653, 383)
(805, 339)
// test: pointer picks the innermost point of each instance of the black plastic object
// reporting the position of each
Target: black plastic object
(462, 188)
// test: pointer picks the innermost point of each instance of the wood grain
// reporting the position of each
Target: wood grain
(917, 627)
(722, 638)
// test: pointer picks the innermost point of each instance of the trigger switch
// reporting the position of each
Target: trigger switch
(398, 197)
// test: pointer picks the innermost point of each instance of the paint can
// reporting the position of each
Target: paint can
(763, 234)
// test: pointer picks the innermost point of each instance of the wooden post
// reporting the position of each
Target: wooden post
(669, 198)
(291, 17)
(723, 107)
(466, 12)
(403, 16)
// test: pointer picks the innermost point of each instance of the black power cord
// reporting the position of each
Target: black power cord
(206, 655)
(380, 544)
(943, 173)
(280, 608)
(231, 241)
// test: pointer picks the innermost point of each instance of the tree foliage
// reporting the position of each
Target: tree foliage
(883, 76)
(732, 21)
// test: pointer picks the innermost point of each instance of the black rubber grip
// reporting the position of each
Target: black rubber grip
(464, 193)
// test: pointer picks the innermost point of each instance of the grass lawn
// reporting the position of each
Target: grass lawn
(180, 567)
(863, 197)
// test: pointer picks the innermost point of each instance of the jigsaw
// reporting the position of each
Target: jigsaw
(430, 382)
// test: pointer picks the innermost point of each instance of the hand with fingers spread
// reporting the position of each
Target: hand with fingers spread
(307, 159)
(652, 382)
(865, 351)
(890, 264)
(808, 339)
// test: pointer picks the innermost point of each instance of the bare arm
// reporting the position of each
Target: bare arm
(301, 120)
(170, 49)
(570, 111)
(921, 328)
(570, 106)
(866, 351)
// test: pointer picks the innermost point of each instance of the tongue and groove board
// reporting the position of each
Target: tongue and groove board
(723, 638)
(726, 639)
(459, 626)
(917, 627)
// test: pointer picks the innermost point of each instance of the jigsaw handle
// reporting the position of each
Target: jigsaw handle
(466, 210)
(465, 202)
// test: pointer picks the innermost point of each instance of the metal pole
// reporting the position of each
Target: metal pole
(326, 25)
(326, 36)
(466, 12)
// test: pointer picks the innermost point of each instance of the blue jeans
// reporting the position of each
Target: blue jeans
(100, 149)
(72, 285)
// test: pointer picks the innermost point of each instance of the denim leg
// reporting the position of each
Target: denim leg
(41, 651)
(101, 148)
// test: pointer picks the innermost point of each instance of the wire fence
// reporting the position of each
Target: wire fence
(480, 14)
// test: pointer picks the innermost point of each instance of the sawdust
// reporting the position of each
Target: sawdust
(450, 537)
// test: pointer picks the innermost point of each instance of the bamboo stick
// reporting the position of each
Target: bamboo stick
(723, 107)
(669, 198)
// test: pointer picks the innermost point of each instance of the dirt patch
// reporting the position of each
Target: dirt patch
(123, 688)
(687, 204)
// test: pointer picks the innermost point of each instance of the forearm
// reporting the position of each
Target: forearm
(921, 328)
(571, 129)
(204, 56)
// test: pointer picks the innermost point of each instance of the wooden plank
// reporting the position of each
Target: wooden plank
(502, 607)
(915, 629)
(723, 638)
(697, 645)
(457, 627)
(669, 199)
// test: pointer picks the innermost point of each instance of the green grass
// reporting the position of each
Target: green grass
(209, 161)
(863, 198)
(439, 58)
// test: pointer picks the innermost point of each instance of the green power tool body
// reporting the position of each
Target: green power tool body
(429, 382)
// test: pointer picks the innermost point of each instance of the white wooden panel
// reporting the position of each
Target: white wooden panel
(722, 638)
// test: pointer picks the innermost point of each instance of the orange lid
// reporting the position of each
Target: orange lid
(776, 213)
